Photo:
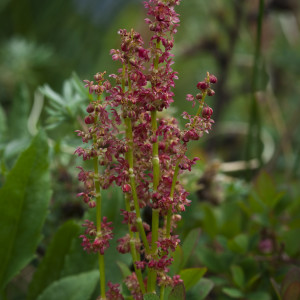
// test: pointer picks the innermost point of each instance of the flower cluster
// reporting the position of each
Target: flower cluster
(142, 154)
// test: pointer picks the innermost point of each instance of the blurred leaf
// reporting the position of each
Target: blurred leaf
(191, 276)
(252, 280)
(238, 276)
(177, 293)
(292, 292)
(124, 269)
(178, 259)
(276, 288)
(78, 287)
(239, 244)
(188, 245)
(291, 284)
(291, 240)
(150, 297)
(259, 295)
(50, 268)
(3, 125)
(24, 201)
(233, 293)
(203, 288)
(266, 190)
(53, 96)
(209, 221)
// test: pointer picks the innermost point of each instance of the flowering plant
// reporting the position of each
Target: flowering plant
(134, 148)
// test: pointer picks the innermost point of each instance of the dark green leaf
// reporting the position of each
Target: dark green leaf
(50, 269)
(233, 293)
(24, 201)
(238, 276)
(177, 293)
(78, 287)
(189, 243)
(151, 297)
(191, 276)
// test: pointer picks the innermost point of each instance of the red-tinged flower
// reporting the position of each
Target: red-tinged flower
(202, 85)
(93, 241)
(113, 292)
(213, 79)
(133, 286)
(207, 112)
(126, 188)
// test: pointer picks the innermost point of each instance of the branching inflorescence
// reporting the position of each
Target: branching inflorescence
(141, 153)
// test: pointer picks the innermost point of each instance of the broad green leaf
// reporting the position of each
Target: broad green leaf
(177, 293)
(188, 245)
(24, 201)
(151, 297)
(50, 269)
(233, 293)
(238, 276)
(210, 225)
(78, 287)
(203, 288)
(191, 276)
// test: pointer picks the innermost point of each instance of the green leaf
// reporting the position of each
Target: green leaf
(238, 276)
(177, 293)
(24, 201)
(203, 288)
(266, 190)
(178, 259)
(188, 245)
(50, 269)
(259, 295)
(191, 276)
(210, 225)
(78, 287)
(276, 288)
(151, 297)
(124, 269)
(239, 244)
(48, 92)
(233, 293)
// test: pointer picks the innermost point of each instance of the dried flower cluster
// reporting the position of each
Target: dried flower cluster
(142, 154)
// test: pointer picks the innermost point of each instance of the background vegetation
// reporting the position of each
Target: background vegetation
(244, 222)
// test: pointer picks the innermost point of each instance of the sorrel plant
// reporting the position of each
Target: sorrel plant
(141, 152)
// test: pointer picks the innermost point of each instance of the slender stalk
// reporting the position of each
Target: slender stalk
(169, 216)
(162, 293)
(140, 226)
(98, 224)
(134, 253)
(156, 176)
(254, 130)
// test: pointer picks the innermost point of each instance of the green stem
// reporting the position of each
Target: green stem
(169, 216)
(98, 224)
(141, 229)
(134, 254)
(162, 293)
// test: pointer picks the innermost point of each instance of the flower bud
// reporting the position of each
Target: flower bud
(90, 108)
(213, 79)
(210, 92)
(202, 85)
(89, 120)
(207, 112)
